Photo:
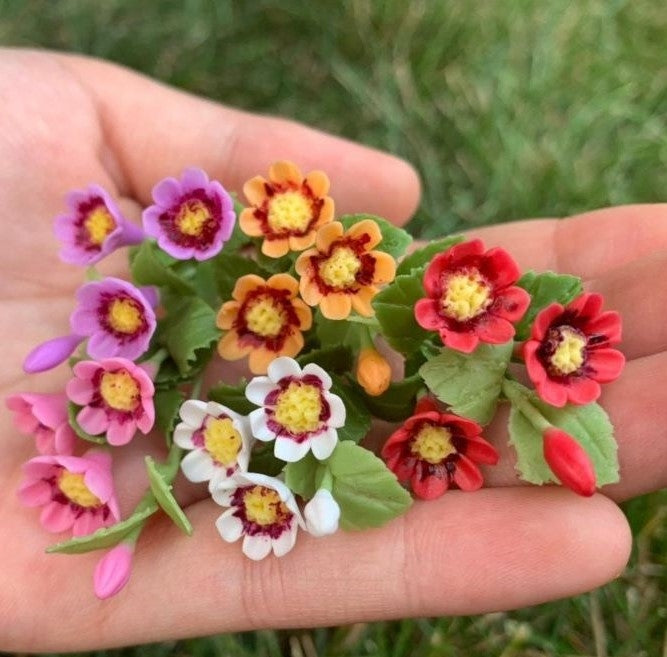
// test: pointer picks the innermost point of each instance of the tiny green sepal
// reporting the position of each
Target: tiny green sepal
(72, 412)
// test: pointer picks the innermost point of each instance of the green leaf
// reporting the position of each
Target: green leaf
(149, 267)
(188, 330)
(104, 538)
(334, 332)
(72, 412)
(228, 269)
(285, 264)
(167, 404)
(367, 492)
(545, 289)
(394, 240)
(233, 397)
(469, 383)
(394, 309)
(423, 256)
(588, 424)
(303, 477)
(357, 417)
(162, 492)
(398, 401)
(334, 358)
(263, 461)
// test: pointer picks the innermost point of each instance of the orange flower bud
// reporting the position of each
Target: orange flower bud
(569, 461)
(373, 371)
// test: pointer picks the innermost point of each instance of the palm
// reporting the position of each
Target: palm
(69, 122)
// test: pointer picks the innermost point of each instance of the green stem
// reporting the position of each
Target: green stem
(525, 407)
(196, 386)
(368, 321)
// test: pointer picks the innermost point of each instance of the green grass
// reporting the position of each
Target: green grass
(508, 109)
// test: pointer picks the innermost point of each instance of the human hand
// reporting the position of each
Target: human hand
(68, 121)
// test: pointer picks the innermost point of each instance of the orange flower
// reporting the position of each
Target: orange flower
(287, 209)
(342, 271)
(264, 321)
(373, 371)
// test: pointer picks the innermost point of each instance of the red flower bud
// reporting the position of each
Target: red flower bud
(569, 461)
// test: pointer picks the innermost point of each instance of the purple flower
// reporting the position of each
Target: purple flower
(116, 316)
(93, 227)
(191, 218)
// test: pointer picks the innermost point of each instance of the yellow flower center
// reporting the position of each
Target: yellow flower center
(192, 218)
(265, 317)
(569, 354)
(433, 444)
(264, 506)
(120, 390)
(299, 407)
(466, 296)
(289, 211)
(73, 487)
(222, 441)
(125, 316)
(340, 269)
(99, 224)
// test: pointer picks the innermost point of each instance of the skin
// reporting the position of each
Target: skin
(68, 121)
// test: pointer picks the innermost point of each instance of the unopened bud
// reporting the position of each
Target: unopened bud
(569, 461)
(373, 371)
(113, 571)
(322, 513)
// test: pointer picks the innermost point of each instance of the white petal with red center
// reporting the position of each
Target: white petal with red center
(197, 466)
(324, 444)
(223, 492)
(316, 370)
(283, 367)
(257, 547)
(259, 388)
(193, 412)
(259, 426)
(229, 526)
(285, 542)
(337, 410)
(183, 436)
(289, 450)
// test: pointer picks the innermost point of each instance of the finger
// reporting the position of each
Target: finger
(155, 131)
(586, 245)
(636, 406)
(462, 554)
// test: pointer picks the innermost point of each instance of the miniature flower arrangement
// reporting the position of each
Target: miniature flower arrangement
(334, 324)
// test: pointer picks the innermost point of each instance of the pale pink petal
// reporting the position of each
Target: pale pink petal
(93, 420)
(57, 517)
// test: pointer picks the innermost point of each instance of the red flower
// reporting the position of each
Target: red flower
(568, 354)
(569, 461)
(432, 450)
(471, 296)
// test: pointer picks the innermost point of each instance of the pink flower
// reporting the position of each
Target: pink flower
(471, 296)
(117, 398)
(93, 227)
(569, 352)
(45, 418)
(76, 492)
(113, 571)
(191, 218)
(569, 461)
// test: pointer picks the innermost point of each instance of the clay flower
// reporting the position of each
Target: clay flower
(569, 352)
(265, 320)
(219, 440)
(471, 296)
(433, 450)
(93, 227)
(286, 209)
(342, 271)
(117, 398)
(569, 461)
(298, 410)
(76, 492)
(262, 510)
(45, 418)
(191, 218)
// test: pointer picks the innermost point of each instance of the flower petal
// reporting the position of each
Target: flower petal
(256, 547)
(56, 517)
(607, 364)
(583, 390)
(324, 444)
(283, 367)
(197, 466)
(193, 412)
(430, 487)
(259, 427)
(467, 475)
(276, 248)
(93, 420)
(336, 306)
(327, 235)
(229, 526)
(289, 450)
(285, 542)
(318, 181)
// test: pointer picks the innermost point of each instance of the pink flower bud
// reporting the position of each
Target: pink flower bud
(569, 461)
(113, 571)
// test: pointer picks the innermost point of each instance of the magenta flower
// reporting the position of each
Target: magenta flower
(117, 317)
(76, 492)
(117, 398)
(113, 571)
(191, 218)
(93, 227)
(45, 418)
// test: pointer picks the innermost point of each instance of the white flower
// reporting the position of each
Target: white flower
(297, 410)
(262, 510)
(322, 513)
(219, 438)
